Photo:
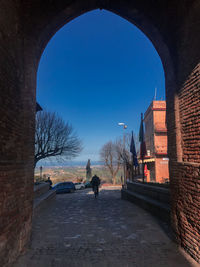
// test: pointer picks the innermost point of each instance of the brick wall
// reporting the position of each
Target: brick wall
(17, 109)
(189, 106)
(185, 191)
(161, 143)
(185, 169)
(161, 170)
(185, 182)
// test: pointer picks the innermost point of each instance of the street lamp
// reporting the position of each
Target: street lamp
(122, 124)
(124, 127)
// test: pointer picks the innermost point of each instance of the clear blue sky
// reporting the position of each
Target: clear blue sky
(96, 71)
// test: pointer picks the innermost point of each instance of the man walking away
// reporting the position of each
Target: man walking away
(95, 182)
(50, 182)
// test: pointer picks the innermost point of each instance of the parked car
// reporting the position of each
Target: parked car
(88, 185)
(79, 186)
(65, 187)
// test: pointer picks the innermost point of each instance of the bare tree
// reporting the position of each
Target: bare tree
(111, 158)
(54, 138)
(123, 147)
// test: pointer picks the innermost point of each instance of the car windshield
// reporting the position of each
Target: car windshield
(63, 184)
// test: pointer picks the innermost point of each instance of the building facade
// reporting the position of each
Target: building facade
(156, 142)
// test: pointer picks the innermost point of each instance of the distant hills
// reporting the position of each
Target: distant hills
(68, 164)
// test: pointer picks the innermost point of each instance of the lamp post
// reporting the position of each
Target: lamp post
(40, 173)
(124, 164)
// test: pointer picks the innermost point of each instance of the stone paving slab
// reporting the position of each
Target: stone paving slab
(81, 231)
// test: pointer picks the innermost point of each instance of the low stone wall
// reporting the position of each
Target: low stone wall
(42, 197)
(155, 192)
(43, 201)
(40, 189)
(154, 199)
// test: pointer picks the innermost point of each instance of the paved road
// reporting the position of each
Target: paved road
(80, 231)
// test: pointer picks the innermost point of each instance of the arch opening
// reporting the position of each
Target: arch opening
(101, 70)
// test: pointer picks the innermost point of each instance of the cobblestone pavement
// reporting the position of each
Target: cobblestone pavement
(80, 231)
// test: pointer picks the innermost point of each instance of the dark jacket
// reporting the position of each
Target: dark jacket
(95, 181)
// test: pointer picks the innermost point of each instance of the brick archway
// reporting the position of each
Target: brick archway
(25, 29)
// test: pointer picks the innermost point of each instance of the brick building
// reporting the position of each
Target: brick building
(156, 142)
